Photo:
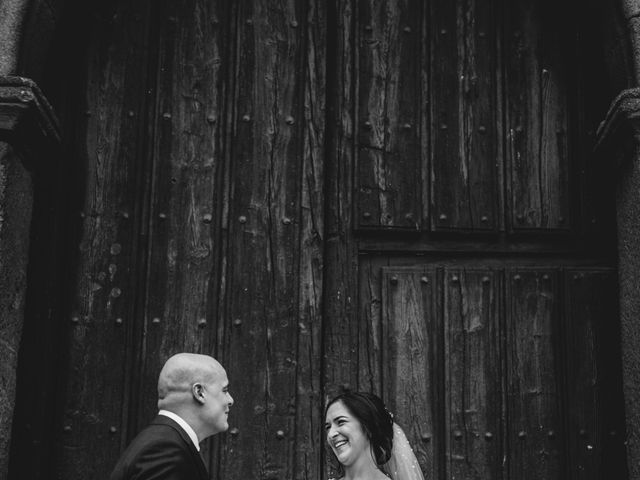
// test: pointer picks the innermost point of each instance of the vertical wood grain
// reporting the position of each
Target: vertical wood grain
(274, 238)
(183, 278)
(102, 319)
(595, 429)
(389, 49)
(367, 350)
(340, 312)
(412, 339)
(466, 116)
(583, 386)
(473, 374)
(537, 72)
(535, 436)
(597, 205)
(184, 274)
(308, 445)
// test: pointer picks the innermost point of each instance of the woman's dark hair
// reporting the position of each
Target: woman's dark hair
(376, 421)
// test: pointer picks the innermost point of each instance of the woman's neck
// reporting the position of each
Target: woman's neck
(363, 469)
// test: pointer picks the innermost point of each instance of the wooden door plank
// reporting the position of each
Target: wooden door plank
(473, 373)
(466, 116)
(368, 332)
(412, 339)
(275, 172)
(594, 396)
(341, 267)
(102, 321)
(389, 103)
(597, 212)
(537, 70)
(308, 445)
(535, 434)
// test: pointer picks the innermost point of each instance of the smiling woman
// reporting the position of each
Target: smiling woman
(365, 442)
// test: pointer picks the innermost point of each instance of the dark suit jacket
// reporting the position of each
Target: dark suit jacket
(162, 451)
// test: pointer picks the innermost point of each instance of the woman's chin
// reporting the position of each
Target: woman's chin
(343, 458)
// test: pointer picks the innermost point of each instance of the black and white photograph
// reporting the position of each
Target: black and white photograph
(319, 240)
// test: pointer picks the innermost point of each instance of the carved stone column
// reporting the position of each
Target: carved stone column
(29, 135)
(618, 150)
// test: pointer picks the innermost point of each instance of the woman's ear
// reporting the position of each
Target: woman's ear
(197, 390)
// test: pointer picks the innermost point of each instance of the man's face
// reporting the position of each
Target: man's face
(218, 402)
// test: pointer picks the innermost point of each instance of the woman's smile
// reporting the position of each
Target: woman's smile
(339, 443)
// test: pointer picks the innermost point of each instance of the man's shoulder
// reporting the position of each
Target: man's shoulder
(161, 430)
(158, 447)
(159, 439)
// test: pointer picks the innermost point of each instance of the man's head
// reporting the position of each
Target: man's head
(196, 388)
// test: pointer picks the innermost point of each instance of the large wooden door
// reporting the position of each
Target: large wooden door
(388, 195)
(484, 306)
(196, 139)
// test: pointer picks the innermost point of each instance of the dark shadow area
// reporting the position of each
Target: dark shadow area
(53, 55)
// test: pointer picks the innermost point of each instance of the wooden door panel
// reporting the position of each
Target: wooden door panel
(466, 125)
(412, 339)
(310, 249)
(390, 107)
(261, 281)
(473, 373)
(595, 424)
(537, 69)
(183, 278)
(273, 251)
(585, 304)
(102, 324)
(533, 376)
(340, 310)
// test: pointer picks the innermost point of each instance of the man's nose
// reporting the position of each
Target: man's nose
(230, 399)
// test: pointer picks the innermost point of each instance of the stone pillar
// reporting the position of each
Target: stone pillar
(16, 197)
(12, 14)
(618, 151)
(28, 129)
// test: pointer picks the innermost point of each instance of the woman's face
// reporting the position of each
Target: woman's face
(345, 435)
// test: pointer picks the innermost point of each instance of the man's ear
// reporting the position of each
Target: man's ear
(197, 390)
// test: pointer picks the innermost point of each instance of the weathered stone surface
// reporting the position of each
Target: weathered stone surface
(631, 12)
(619, 146)
(631, 8)
(628, 216)
(15, 217)
(12, 14)
(27, 120)
(620, 126)
(27, 129)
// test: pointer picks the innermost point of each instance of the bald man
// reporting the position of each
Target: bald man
(194, 402)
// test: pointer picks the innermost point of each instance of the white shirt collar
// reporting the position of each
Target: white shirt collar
(185, 426)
